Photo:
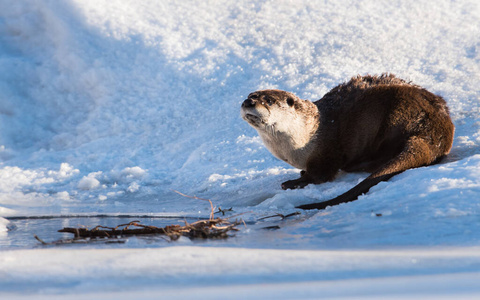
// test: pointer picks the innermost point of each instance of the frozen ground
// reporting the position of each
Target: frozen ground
(106, 107)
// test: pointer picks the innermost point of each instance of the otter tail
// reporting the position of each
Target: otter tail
(416, 153)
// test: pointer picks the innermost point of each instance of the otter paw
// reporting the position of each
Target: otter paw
(294, 184)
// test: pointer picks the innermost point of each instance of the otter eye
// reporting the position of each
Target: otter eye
(269, 100)
(290, 101)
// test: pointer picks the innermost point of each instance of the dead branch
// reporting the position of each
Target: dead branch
(198, 198)
(205, 229)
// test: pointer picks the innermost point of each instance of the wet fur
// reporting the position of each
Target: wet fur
(378, 124)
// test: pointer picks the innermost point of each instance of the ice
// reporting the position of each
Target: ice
(3, 225)
(111, 106)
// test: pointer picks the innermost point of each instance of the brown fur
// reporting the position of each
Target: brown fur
(379, 124)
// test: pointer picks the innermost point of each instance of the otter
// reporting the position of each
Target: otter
(382, 125)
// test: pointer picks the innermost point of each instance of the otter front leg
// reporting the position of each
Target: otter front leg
(299, 183)
(317, 172)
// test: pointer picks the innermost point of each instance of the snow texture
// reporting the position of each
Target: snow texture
(109, 106)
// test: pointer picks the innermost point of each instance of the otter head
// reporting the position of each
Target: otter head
(285, 123)
(270, 109)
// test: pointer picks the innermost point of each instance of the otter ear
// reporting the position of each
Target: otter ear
(290, 101)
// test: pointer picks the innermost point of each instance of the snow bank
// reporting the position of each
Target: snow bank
(101, 272)
(112, 89)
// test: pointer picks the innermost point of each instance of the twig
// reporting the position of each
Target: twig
(281, 216)
(198, 198)
(274, 227)
(222, 211)
(40, 240)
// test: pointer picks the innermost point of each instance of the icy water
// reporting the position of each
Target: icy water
(22, 231)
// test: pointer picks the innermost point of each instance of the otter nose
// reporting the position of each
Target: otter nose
(248, 103)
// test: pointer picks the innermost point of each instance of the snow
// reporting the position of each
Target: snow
(282, 272)
(108, 107)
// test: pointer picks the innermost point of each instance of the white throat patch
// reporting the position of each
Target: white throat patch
(289, 137)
